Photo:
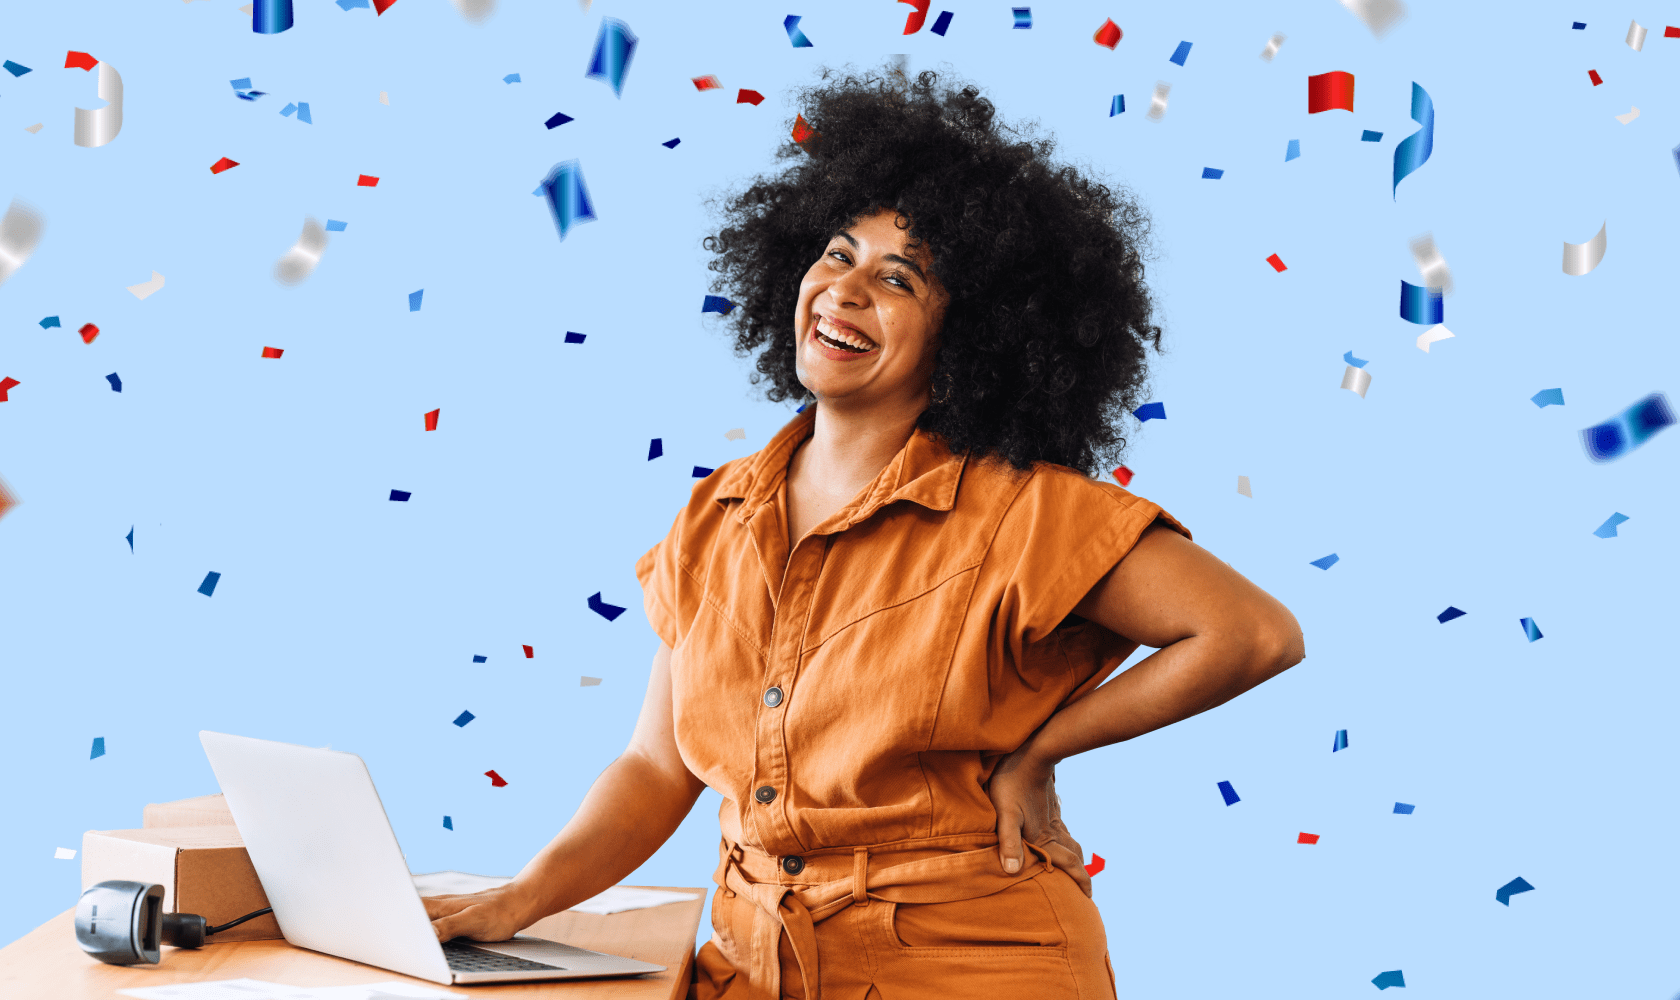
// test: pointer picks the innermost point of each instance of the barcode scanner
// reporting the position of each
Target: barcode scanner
(123, 923)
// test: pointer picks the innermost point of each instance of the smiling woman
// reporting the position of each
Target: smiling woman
(882, 631)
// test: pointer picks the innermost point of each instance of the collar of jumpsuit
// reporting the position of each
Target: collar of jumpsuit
(850, 697)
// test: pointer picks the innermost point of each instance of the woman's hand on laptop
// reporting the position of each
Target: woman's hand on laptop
(492, 915)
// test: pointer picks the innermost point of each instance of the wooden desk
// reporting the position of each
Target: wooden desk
(47, 964)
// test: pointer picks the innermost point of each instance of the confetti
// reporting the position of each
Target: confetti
(1123, 475)
(335, 226)
(208, 587)
(1212, 173)
(299, 262)
(20, 232)
(1158, 101)
(476, 10)
(384, 98)
(1355, 362)
(1356, 380)
(1635, 36)
(381, 6)
(1244, 488)
(716, 304)
(574, 338)
(98, 747)
(1668, 32)
(1108, 36)
(49, 322)
(432, 419)
(735, 434)
(146, 288)
(1117, 105)
(701, 472)
(1608, 528)
(707, 82)
(942, 23)
(615, 44)
(130, 538)
(1151, 411)
(1326, 562)
(366, 180)
(448, 824)
(1592, 74)
(1330, 92)
(1271, 48)
(1629, 117)
(16, 69)
(1293, 152)
(273, 352)
(656, 448)
(913, 23)
(1229, 793)
(223, 164)
(1531, 630)
(8, 499)
(1432, 335)
(589, 682)
(671, 143)
(1413, 151)
(479, 659)
(88, 332)
(116, 383)
(1097, 864)
(803, 132)
(1547, 397)
(79, 60)
(1627, 430)
(414, 300)
(1340, 741)
(530, 654)
(752, 97)
(1449, 614)
(1370, 136)
(512, 78)
(1431, 264)
(7, 384)
(496, 780)
(1511, 888)
(557, 119)
(1023, 17)
(32, 129)
(1307, 838)
(64, 854)
(1403, 808)
(568, 199)
(465, 716)
(286, 112)
(1378, 15)
(1580, 25)
(400, 496)
(1420, 304)
(352, 4)
(270, 17)
(797, 37)
(1393, 977)
(1180, 54)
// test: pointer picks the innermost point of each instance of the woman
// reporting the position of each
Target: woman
(882, 631)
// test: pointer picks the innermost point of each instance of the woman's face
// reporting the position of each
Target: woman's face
(869, 315)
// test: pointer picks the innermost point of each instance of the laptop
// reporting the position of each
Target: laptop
(323, 847)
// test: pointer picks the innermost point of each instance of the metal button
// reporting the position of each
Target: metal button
(793, 865)
(765, 794)
(773, 697)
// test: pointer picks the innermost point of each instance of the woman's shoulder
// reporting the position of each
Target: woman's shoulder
(1050, 490)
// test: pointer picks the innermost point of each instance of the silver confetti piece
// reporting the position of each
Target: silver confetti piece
(1158, 101)
(20, 232)
(146, 288)
(299, 262)
(475, 10)
(1636, 37)
(1431, 335)
(1357, 380)
(1378, 15)
(1271, 47)
(1580, 258)
(1630, 116)
(1431, 264)
(1243, 487)
(96, 128)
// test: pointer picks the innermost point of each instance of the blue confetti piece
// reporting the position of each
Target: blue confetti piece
(671, 143)
(1341, 741)
(303, 113)
(1531, 630)
(1403, 808)
(248, 95)
(98, 747)
(716, 304)
(1293, 152)
(243, 83)
(286, 112)
(1629, 429)
(512, 78)
(1413, 151)
(1327, 562)
(1230, 793)
(414, 300)
(602, 608)
(568, 200)
(797, 37)
(656, 448)
(1511, 888)
(208, 587)
(1023, 16)
(558, 119)
(701, 472)
(1676, 152)
(50, 322)
(1421, 304)
(352, 4)
(1608, 528)
(401, 496)
(1355, 362)
(447, 823)
(943, 22)
(1449, 614)
(1212, 173)
(465, 717)
(116, 383)
(131, 538)
(1386, 979)
(479, 659)
(1547, 397)
(270, 17)
(1180, 54)
(1370, 136)
(1151, 411)
(335, 226)
(615, 44)
(1117, 105)
(574, 338)
(802, 406)
(1580, 25)
(17, 69)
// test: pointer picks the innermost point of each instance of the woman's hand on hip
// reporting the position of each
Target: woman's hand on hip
(1023, 791)
(492, 915)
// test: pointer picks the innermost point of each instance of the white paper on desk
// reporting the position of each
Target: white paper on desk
(253, 989)
(615, 900)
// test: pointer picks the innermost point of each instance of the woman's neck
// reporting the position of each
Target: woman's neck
(846, 451)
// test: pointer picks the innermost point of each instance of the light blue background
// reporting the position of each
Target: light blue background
(344, 619)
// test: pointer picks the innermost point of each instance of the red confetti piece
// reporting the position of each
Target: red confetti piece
(1671, 32)
(802, 130)
(381, 6)
(364, 180)
(431, 425)
(530, 654)
(708, 82)
(273, 352)
(8, 499)
(88, 332)
(496, 780)
(223, 164)
(1276, 262)
(1109, 35)
(752, 97)
(6, 385)
(1592, 74)
(913, 23)
(1307, 838)
(1123, 476)
(1330, 92)
(1097, 864)
(79, 60)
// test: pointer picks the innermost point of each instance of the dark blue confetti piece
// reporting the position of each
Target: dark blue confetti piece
(1448, 615)
(116, 383)
(401, 495)
(1151, 411)
(208, 587)
(479, 659)
(1326, 562)
(1212, 173)
(1531, 630)
(656, 448)
(602, 608)
(1403, 808)
(557, 119)
(1511, 888)
(1180, 54)
(942, 23)
(671, 144)
(50, 322)
(1386, 979)
(464, 718)
(1230, 793)
(131, 538)
(701, 472)
(716, 304)
(98, 747)
(1341, 741)
(1370, 136)
(574, 338)
(1023, 16)
(1580, 25)
(1117, 106)
(448, 824)
(17, 69)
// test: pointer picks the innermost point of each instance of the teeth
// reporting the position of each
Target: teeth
(843, 336)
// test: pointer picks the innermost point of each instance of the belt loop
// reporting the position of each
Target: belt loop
(860, 876)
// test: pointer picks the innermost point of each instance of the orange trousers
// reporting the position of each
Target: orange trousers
(932, 919)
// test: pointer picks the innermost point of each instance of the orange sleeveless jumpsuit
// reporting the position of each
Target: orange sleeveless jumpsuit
(849, 699)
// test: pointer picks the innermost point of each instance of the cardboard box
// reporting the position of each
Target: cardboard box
(203, 870)
(206, 810)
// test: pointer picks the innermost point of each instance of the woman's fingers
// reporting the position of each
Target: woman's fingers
(443, 906)
(1009, 840)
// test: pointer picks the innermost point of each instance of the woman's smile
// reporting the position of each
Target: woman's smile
(840, 341)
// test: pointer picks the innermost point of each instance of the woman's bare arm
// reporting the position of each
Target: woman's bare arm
(630, 811)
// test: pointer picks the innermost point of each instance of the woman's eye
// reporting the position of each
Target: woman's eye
(901, 282)
(838, 254)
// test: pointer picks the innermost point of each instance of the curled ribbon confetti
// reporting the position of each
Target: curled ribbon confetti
(1580, 258)
(299, 262)
(270, 17)
(1413, 151)
(96, 128)
(20, 231)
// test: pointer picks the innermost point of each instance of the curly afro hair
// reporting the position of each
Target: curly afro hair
(1042, 348)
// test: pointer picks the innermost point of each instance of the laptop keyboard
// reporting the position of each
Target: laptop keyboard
(465, 958)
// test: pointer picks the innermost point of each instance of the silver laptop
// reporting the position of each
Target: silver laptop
(329, 862)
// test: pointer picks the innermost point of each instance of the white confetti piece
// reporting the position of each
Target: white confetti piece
(1158, 101)
(738, 434)
(96, 128)
(384, 99)
(1630, 116)
(1378, 15)
(1243, 487)
(64, 854)
(146, 288)
(20, 231)
(1272, 47)
(299, 262)
(1581, 258)
(1636, 36)
(32, 129)
(1431, 335)
(1431, 264)
(590, 682)
(1356, 380)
